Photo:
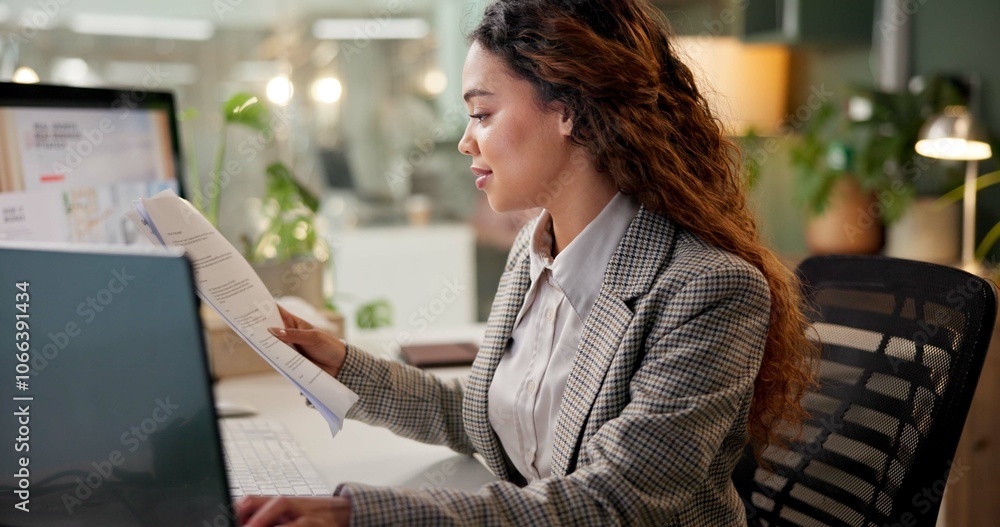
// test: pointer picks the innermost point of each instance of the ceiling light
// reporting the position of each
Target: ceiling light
(135, 73)
(435, 82)
(32, 17)
(143, 26)
(69, 70)
(279, 90)
(25, 75)
(327, 90)
(370, 28)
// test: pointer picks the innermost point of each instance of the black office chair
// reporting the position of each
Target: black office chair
(903, 343)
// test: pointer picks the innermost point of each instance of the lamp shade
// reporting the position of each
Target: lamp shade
(954, 135)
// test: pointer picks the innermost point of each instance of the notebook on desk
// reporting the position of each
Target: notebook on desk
(439, 355)
(111, 393)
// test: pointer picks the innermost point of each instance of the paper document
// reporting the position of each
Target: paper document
(226, 282)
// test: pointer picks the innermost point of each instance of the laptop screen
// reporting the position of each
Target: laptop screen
(73, 159)
(111, 419)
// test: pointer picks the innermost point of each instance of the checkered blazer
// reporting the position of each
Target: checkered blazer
(653, 417)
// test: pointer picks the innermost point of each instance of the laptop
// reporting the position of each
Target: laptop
(113, 419)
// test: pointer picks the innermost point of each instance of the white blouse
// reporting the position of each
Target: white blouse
(528, 384)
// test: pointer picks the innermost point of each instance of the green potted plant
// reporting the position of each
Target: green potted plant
(838, 198)
(862, 147)
(289, 214)
(288, 253)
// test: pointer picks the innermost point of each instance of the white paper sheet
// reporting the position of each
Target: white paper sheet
(228, 283)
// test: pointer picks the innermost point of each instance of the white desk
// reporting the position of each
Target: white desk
(360, 453)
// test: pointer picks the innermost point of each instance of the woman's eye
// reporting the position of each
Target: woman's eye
(478, 116)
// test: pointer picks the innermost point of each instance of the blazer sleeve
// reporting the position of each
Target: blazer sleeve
(406, 400)
(689, 398)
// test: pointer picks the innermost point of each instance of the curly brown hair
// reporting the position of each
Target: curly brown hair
(637, 112)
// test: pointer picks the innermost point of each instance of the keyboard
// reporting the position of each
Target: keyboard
(263, 459)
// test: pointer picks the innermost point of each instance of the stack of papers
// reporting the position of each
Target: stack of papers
(227, 282)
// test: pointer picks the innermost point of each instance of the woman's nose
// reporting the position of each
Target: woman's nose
(467, 145)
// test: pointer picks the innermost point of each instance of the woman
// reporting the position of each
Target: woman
(641, 334)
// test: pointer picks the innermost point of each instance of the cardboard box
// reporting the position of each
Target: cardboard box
(229, 355)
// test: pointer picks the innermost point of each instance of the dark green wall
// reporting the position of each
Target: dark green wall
(963, 36)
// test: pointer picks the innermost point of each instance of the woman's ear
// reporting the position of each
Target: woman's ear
(565, 119)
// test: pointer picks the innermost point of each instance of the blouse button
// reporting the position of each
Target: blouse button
(531, 387)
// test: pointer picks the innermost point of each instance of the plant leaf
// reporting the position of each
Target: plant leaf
(246, 109)
(983, 181)
(375, 314)
(187, 115)
(987, 243)
(280, 171)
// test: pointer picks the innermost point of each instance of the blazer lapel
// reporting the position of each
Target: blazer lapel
(644, 249)
(506, 306)
(602, 334)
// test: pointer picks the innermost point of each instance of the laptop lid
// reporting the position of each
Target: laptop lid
(108, 409)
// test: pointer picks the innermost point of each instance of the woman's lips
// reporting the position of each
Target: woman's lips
(482, 176)
(481, 180)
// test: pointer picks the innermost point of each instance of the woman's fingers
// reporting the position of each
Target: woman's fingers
(248, 505)
(318, 346)
(269, 512)
(258, 511)
(292, 321)
(308, 338)
(286, 317)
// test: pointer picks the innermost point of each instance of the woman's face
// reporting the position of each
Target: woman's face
(519, 151)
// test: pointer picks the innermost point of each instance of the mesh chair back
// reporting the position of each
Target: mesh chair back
(903, 343)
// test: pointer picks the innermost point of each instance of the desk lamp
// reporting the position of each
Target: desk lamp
(955, 135)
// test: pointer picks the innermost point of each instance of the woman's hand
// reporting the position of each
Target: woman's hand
(320, 347)
(261, 511)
